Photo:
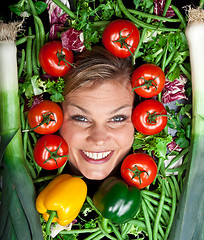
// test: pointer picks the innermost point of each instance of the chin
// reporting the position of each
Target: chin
(95, 175)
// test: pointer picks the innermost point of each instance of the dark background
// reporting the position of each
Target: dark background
(7, 15)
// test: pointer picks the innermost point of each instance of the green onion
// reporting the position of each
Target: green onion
(18, 216)
(189, 218)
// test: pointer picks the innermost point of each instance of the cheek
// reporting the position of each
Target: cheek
(71, 133)
(125, 136)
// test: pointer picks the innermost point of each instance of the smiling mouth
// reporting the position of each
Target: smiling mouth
(96, 157)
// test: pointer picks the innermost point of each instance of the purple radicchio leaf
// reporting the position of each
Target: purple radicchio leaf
(73, 39)
(57, 18)
(172, 146)
(159, 8)
(174, 90)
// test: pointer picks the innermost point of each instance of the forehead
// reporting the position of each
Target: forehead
(109, 92)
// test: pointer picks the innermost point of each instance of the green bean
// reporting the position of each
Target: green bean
(93, 235)
(31, 169)
(78, 231)
(163, 63)
(159, 212)
(65, 8)
(152, 16)
(105, 232)
(165, 215)
(34, 63)
(32, 6)
(141, 39)
(159, 57)
(34, 138)
(166, 207)
(172, 68)
(51, 217)
(178, 192)
(181, 154)
(152, 216)
(201, 3)
(173, 209)
(30, 149)
(178, 169)
(155, 195)
(99, 236)
(166, 6)
(117, 233)
(185, 71)
(22, 113)
(43, 179)
(147, 220)
(153, 211)
(29, 54)
(167, 188)
(126, 229)
(23, 40)
(22, 63)
(180, 16)
(25, 140)
(140, 23)
(88, 199)
(171, 55)
(185, 160)
(137, 223)
(104, 224)
(41, 29)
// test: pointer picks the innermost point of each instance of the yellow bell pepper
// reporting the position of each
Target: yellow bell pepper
(65, 195)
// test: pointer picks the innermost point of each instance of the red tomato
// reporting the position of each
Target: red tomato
(121, 38)
(147, 117)
(51, 152)
(47, 115)
(148, 79)
(54, 59)
(138, 170)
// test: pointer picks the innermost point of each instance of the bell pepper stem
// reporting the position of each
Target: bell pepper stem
(52, 215)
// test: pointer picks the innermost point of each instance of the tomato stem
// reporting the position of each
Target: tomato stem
(122, 41)
(136, 172)
(151, 118)
(46, 119)
(147, 83)
(54, 155)
(62, 57)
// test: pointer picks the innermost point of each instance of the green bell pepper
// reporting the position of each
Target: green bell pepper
(116, 200)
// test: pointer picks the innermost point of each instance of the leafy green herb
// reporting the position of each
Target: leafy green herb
(92, 17)
(36, 86)
(167, 50)
(22, 7)
(180, 120)
(152, 143)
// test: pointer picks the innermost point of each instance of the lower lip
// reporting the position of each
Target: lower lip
(99, 161)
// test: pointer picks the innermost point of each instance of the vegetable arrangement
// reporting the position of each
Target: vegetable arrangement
(157, 189)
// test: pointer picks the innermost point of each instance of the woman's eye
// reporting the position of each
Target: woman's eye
(119, 119)
(79, 118)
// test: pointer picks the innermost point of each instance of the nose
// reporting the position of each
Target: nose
(98, 135)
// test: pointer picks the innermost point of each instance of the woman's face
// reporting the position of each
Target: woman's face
(97, 127)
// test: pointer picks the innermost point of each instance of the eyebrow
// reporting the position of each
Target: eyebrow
(120, 108)
(112, 112)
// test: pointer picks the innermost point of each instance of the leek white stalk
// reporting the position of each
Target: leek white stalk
(189, 219)
(18, 217)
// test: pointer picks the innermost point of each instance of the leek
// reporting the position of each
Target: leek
(189, 219)
(18, 216)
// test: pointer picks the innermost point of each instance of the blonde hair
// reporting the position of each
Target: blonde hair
(96, 67)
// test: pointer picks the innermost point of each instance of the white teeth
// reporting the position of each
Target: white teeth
(97, 156)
